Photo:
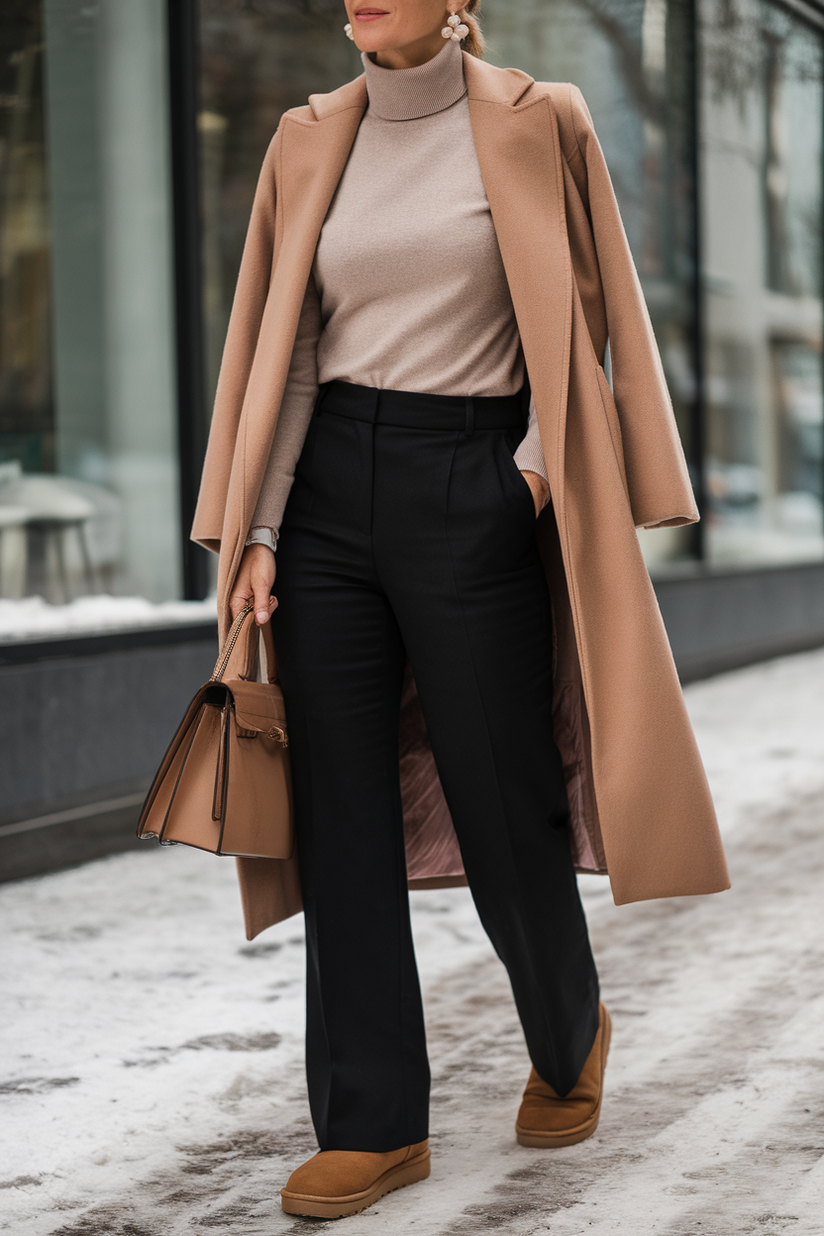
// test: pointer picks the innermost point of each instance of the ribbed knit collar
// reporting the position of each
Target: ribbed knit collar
(409, 94)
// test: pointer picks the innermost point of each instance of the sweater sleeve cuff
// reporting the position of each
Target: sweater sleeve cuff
(529, 457)
(263, 536)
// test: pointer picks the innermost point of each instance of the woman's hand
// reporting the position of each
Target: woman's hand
(255, 577)
(540, 490)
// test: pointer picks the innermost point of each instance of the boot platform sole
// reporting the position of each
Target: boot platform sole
(406, 1173)
(540, 1140)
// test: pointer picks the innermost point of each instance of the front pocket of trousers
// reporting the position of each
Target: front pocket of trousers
(520, 484)
(336, 474)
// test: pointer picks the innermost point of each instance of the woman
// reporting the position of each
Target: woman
(427, 243)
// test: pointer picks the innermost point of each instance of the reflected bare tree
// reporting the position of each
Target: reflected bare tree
(609, 19)
(738, 41)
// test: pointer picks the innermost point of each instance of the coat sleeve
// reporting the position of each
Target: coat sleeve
(659, 486)
(238, 354)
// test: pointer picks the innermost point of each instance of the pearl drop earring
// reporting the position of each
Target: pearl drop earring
(455, 29)
(347, 30)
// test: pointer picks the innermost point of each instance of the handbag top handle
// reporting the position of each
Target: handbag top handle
(241, 650)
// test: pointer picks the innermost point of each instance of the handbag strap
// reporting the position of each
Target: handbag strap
(272, 670)
(249, 666)
(229, 643)
(244, 647)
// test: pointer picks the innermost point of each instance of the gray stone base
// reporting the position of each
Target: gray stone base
(721, 621)
(83, 727)
(75, 835)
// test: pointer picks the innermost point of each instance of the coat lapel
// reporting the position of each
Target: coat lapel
(519, 153)
(314, 154)
(314, 151)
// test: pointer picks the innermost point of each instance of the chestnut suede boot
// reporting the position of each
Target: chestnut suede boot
(545, 1119)
(341, 1182)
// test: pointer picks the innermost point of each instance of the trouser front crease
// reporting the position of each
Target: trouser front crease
(404, 540)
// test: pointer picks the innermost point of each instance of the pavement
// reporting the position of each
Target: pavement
(151, 1076)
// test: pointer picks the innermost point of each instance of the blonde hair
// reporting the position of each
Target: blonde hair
(474, 41)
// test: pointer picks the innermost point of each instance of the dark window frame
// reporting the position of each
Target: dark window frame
(184, 77)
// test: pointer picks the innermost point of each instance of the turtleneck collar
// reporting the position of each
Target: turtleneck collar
(409, 94)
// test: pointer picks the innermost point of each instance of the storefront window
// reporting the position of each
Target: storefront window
(89, 469)
(88, 457)
(762, 112)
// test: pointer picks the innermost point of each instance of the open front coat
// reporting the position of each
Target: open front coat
(640, 804)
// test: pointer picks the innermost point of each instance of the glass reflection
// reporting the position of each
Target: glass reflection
(761, 164)
(88, 459)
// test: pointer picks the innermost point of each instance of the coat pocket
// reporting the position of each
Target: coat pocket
(613, 424)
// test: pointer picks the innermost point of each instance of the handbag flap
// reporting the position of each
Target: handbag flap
(259, 707)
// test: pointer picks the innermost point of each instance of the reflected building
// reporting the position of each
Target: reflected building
(761, 126)
(87, 392)
(131, 136)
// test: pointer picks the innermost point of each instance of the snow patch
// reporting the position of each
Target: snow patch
(33, 618)
(153, 1079)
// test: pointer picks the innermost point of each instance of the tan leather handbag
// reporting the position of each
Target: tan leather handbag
(224, 784)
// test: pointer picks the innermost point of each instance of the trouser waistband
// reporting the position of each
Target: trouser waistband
(413, 410)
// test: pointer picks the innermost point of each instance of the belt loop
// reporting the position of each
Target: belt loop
(376, 403)
(470, 416)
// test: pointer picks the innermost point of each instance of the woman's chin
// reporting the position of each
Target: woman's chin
(370, 43)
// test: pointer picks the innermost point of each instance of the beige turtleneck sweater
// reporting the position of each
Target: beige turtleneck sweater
(408, 290)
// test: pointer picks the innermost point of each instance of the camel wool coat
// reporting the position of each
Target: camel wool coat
(640, 804)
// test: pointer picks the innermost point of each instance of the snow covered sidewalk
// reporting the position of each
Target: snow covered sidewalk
(151, 1080)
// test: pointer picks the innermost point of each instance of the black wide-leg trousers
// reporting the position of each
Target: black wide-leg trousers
(410, 533)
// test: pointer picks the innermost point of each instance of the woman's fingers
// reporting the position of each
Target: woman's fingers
(239, 599)
(262, 577)
(264, 603)
(255, 577)
(539, 488)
